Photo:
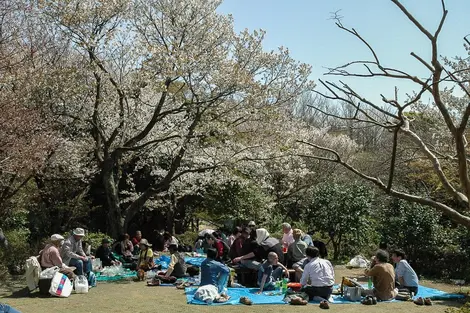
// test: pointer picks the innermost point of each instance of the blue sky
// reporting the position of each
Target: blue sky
(304, 27)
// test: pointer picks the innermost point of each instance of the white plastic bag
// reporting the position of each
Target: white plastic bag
(96, 265)
(358, 262)
(49, 273)
(81, 284)
(61, 286)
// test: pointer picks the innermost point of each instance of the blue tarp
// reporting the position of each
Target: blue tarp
(194, 261)
(236, 293)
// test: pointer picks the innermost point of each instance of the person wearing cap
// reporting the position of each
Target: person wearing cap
(50, 255)
(105, 254)
(146, 261)
(72, 252)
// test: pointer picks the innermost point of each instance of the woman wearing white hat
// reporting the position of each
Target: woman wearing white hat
(50, 256)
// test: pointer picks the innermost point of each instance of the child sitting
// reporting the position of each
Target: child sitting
(269, 272)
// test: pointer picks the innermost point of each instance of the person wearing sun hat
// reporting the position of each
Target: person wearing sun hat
(146, 261)
(72, 252)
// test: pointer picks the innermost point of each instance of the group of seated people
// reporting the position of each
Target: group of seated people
(256, 249)
(248, 247)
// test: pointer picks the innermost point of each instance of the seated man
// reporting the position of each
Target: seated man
(249, 257)
(236, 249)
(105, 254)
(383, 277)
(72, 252)
(318, 277)
(299, 268)
(146, 261)
(269, 272)
(214, 278)
(296, 250)
(176, 268)
(406, 277)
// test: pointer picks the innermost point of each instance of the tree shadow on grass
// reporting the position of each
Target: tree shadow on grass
(25, 293)
(457, 303)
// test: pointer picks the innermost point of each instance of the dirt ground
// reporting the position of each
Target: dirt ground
(132, 296)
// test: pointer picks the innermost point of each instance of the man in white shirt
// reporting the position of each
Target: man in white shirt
(318, 277)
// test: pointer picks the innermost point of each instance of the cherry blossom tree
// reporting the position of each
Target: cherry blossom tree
(26, 139)
(162, 84)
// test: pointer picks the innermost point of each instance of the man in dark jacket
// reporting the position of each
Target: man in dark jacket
(105, 254)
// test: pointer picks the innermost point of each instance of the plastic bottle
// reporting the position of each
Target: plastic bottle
(369, 283)
(284, 285)
(278, 284)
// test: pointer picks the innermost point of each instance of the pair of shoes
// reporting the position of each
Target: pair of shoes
(298, 301)
(324, 305)
(154, 282)
(421, 301)
(369, 300)
(246, 301)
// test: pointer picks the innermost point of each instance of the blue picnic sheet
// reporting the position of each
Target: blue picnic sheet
(265, 298)
(164, 261)
(194, 261)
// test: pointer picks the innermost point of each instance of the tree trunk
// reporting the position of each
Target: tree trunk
(335, 251)
(110, 182)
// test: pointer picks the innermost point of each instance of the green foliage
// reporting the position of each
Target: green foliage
(95, 239)
(188, 238)
(18, 250)
(234, 201)
(342, 211)
(411, 227)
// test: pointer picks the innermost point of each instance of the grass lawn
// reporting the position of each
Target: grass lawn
(132, 296)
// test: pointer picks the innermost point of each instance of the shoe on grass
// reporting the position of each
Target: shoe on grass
(246, 301)
(298, 301)
(324, 305)
(419, 301)
(427, 301)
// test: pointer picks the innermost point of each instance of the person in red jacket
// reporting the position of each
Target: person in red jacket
(137, 238)
(218, 245)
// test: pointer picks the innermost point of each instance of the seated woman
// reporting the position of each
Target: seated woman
(127, 248)
(217, 244)
(176, 268)
(50, 255)
(268, 244)
(146, 261)
(169, 239)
